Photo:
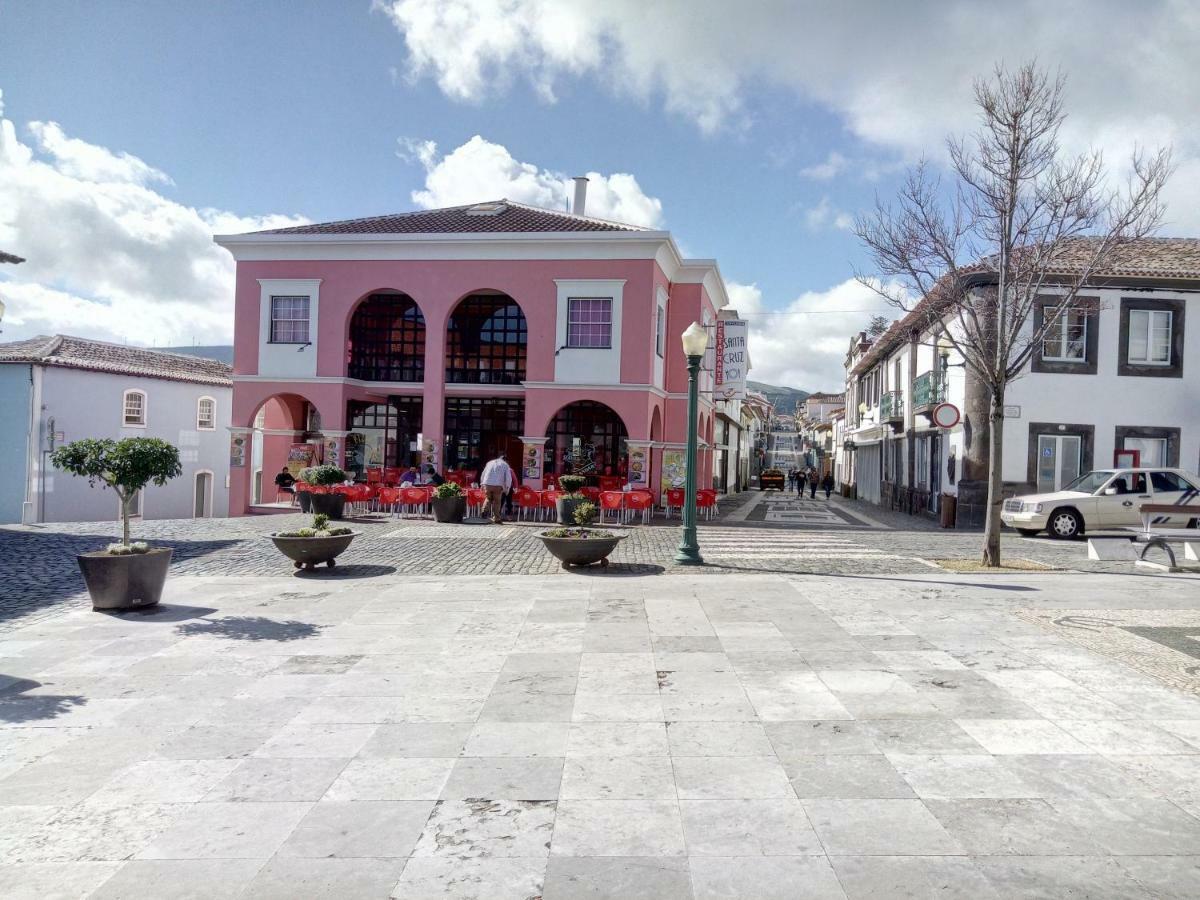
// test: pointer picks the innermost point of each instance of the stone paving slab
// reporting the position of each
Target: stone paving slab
(539, 736)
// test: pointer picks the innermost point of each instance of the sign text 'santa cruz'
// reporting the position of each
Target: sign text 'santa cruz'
(731, 359)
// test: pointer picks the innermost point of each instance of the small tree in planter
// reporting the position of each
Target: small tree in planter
(581, 546)
(126, 574)
(322, 478)
(449, 503)
(566, 504)
(307, 547)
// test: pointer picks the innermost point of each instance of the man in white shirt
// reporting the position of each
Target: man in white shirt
(497, 480)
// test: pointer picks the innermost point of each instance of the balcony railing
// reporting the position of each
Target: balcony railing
(891, 406)
(929, 390)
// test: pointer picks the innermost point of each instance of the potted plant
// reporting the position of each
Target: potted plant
(449, 503)
(566, 504)
(324, 500)
(581, 546)
(124, 575)
(307, 547)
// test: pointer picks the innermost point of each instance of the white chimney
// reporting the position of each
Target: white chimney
(580, 205)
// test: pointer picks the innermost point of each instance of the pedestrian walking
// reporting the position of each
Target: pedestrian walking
(497, 480)
(813, 481)
(827, 483)
(800, 484)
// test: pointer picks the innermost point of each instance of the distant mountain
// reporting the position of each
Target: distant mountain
(221, 352)
(784, 399)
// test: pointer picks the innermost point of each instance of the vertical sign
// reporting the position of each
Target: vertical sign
(237, 450)
(333, 451)
(639, 465)
(674, 469)
(531, 461)
(730, 363)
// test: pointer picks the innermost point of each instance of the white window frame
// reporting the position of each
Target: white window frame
(212, 426)
(1057, 331)
(307, 320)
(571, 301)
(125, 423)
(660, 330)
(1151, 315)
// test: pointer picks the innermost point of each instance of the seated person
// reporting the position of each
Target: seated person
(284, 482)
(1121, 486)
(409, 477)
(432, 476)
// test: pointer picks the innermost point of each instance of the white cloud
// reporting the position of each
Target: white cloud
(833, 165)
(803, 345)
(481, 170)
(899, 75)
(106, 254)
(824, 214)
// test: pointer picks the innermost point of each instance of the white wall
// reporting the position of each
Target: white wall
(288, 360)
(578, 365)
(87, 404)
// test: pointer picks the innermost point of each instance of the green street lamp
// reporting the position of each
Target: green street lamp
(695, 343)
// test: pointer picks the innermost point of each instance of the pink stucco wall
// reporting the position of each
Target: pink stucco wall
(437, 286)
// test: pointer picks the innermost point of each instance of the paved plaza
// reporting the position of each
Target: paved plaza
(436, 719)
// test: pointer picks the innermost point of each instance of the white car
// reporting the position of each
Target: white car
(1106, 498)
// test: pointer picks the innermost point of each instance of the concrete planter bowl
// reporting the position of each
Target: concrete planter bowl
(125, 581)
(309, 552)
(449, 509)
(593, 546)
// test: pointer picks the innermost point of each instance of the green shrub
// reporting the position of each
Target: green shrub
(572, 483)
(320, 521)
(126, 466)
(447, 490)
(585, 513)
(127, 549)
(323, 476)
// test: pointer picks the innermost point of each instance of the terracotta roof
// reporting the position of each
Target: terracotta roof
(494, 216)
(1153, 258)
(9, 258)
(99, 356)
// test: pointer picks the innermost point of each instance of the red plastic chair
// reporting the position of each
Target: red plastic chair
(548, 503)
(611, 482)
(476, 497)
(528, 501)
(706, 502)
(389, 500)
(614, 502)
(674, 500)
(639, 501)
(413, 500)
(592, 493)
(550, 482)
(374, 476)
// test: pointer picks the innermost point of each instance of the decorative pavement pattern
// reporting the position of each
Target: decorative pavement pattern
(1164, 644)
(758, 736)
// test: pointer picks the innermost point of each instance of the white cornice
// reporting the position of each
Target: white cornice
(576, 386)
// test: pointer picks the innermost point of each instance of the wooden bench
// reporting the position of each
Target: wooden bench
(1159, 540)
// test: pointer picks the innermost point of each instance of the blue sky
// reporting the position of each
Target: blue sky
(753, 137)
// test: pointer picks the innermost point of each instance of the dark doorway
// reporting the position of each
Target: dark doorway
(477, 428)
(586, 438)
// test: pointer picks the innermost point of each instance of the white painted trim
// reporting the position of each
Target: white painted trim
(213, 426)
(598, 365)
(291, 360)
(580, 386)
(145, 408)
(212, 485)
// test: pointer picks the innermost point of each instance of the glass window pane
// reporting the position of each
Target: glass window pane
(1139, 325)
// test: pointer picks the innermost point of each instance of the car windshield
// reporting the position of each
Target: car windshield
(1091, 482)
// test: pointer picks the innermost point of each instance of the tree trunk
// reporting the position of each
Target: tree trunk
(995, 497)
(125, 498)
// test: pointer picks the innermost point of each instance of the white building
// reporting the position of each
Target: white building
(58, 389)
(1118, 376)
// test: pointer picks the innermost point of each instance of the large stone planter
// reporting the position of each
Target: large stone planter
(304, 498)
(308, 552)
(564, 508)
(127, 581)
(328, 504)
(572, 551)
(449, 509)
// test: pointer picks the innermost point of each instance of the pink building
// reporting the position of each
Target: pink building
(450, 334)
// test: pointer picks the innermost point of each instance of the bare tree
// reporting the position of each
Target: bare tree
(1022, 224)
(878, 325)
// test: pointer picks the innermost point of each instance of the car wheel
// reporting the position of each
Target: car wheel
(1028, 532)
(1065, 523)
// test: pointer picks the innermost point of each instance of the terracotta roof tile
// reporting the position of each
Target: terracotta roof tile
(99, 356)
(511, 217)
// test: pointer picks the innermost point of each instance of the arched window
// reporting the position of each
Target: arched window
(133, 409)
(387, 339)
(206, 414)
(586, 438)
(486, 341)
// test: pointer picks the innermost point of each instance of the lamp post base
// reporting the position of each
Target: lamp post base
(689, 556)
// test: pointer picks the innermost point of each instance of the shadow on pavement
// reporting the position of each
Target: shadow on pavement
(250, 628)
(617, 569)
(15, 709)
(354, 570)
(163, 612)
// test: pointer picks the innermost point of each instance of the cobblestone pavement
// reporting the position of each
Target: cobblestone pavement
(755, 533)
(759, 736)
